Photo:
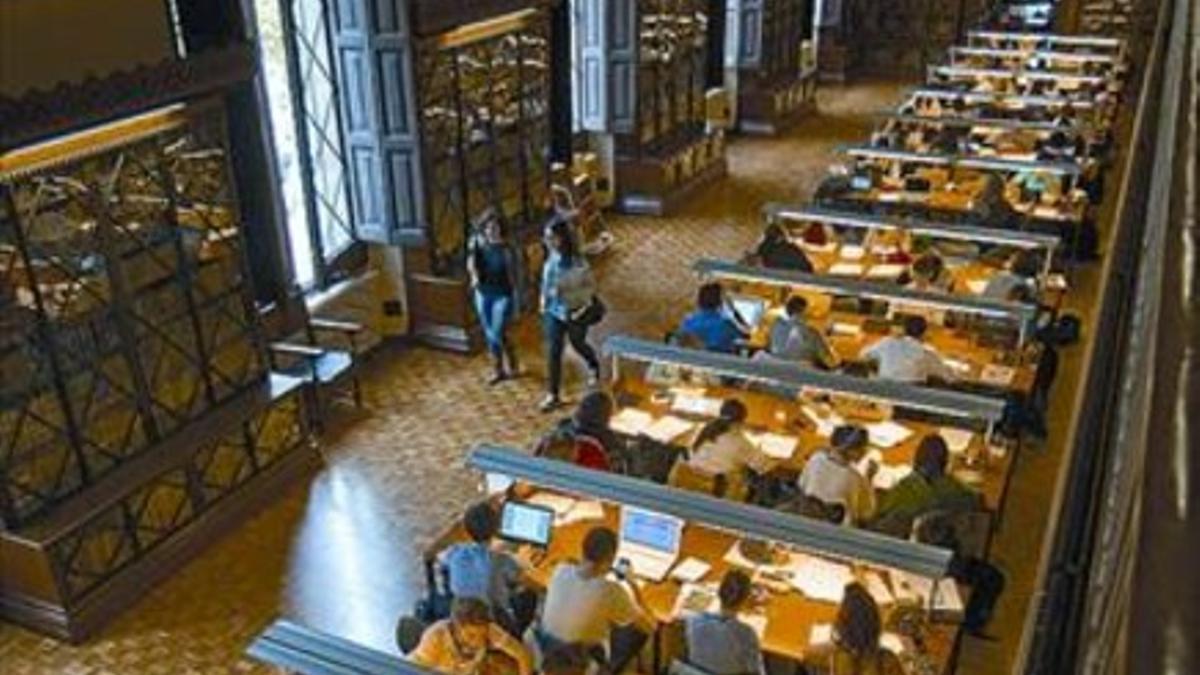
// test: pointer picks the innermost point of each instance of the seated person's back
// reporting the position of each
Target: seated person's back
(792, 339)
(461, 644)
(906, 358)
(717, 642)
(855, 649)
(928, 488)
(776, 251)
(831, 478)
(709, 322)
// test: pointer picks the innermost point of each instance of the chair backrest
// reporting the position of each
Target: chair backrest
(408, 633)
(812, 507)
(971, 530)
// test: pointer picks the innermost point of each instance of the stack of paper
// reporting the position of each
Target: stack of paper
(888, 434)
(843, 269)
(957, 440)
(1001, 376)
(885, 271)
(668, 428)
(631, 421)
(914, 588)
(696, 599)
(822, 580)
(559, 504)
(775, 446)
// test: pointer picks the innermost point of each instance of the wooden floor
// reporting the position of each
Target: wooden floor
(342, 554)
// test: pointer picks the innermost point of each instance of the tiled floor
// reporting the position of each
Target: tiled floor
(342, 554)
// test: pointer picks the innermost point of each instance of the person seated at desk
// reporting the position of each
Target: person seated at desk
(776, 251)
(906, 358)
(928, 488)
(1023, 270)
(583, 605)
(986, 580)
(720, 456)
(929, 273)
(720, 644)
(711, 323)
(463, 643)
(475, 570)
(831, 479)
(585, 438)
(792, 339)
(855, 647)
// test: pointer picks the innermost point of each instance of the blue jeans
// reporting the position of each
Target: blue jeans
(557, 334)
(495, 312)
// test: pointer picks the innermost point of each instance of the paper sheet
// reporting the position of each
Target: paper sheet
(957, 440)
(997, 375)
(695, 404)
(851, 252)
(893, 643)
(888, 434)
(690, 570)
(849, 329)
(842, 269)
(582, 511)
(631, 421)
(885, 271)
(911, 587)
(977, 286)
(961, 368)
(820, 634)
(878, 588)
(775, 446)
(1056, 282)
(668, 428)
(696, 599)
(827, 247)
(825, 425)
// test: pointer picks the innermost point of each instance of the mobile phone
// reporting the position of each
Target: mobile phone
(623, 569)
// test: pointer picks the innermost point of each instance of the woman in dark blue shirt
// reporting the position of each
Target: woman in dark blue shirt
(495, 282)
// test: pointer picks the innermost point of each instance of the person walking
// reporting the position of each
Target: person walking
(569, 308)
(493, 269)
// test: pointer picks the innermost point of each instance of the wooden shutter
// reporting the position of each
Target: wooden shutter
(623, 46)
(750, 33)
(375, 78)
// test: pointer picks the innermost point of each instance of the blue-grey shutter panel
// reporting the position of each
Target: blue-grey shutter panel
(750, 33)
(591, 80)
(623, 41)
(374, 57)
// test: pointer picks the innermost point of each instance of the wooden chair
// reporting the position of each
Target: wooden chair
(325, 356)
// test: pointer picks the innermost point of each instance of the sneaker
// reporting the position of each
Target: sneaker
(551, 402)
(497, 377)
(593, 379)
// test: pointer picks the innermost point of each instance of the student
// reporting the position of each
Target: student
(583, 605)
(906, 358)
(928, 488)
(710, 323)
(929, 273)
(585, 438)
(792, 339)
(1023, 270)
(720, 455)
(461, 644)
(831, 478)
(855, 648)
(492, 268)
(568, 290)
(475, 570)
(720, 644)
(776, 251)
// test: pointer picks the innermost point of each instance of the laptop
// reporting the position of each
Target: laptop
(649, 541)
(749, 311)
(524, 523)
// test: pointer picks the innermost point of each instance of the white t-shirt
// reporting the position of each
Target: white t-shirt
(583, 609)
(907, 360)
(832, 482)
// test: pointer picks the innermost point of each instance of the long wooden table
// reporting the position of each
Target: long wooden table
(985, 468)
(790, 616)
(961, 345)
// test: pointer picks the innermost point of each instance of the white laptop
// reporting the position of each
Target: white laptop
(649, 541)
(749, 310)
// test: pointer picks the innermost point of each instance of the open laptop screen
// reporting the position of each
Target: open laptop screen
(526, 523)
(651, 530)
(749, 310)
